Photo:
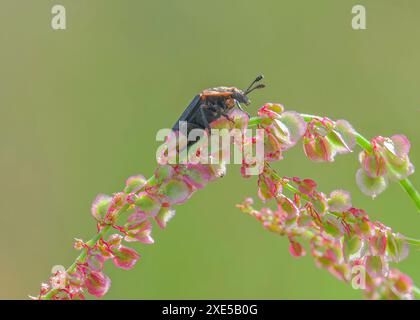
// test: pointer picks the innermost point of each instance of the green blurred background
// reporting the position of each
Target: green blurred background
(80, 109)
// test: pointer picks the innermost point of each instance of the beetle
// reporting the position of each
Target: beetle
(213, 103)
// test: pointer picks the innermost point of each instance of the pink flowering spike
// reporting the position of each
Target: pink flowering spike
(347, 133)
(175, 191)
(131, 198)
(147, 204)
(370, 186)
(136, 217)
(267, 187)
(79, 244)
(141, 215)
(396, 247)
(248, 201)
(134, 183)
(296, 249)
(305, 186)
(271, 110)
(246, 206)
(319, 203)
(125, 258)
(95, 262)
(272, 147)
(197, 175)
(363, 228)
(97, 283)
(373, 163)
(305, 221)
(118, 200)
(353, 247)
(240, 119)
(164, 215)
(295, 124)
(339, 201)
(163, 173)
(378, 244)
(318, 149)
(401, 145)
(221, 123)
(359, 213)
(76, 279)
(395, 150)
(280, 132)
(402, 283)
(337, 142)
(100, 207)
(332, 227)
(104, 251)
(390, 151)
(78, 296)
(341, 272)
(264, 192)
(59, 280)
(236, 119)
(138, 230)
(114, 240)
(286, 207)
(376, 266)
(401, 170)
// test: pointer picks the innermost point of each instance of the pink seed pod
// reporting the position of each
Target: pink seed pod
(100, 207)
(296, 249)
(139, 229)
(125, 258)
(134, 183)
(175, 192)
(164, 215)
(271, 110)
(339, 201)
(370, 186)
(318, 149)
(147, 204)
(97, 283)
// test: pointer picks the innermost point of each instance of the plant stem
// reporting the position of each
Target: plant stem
(411, 191)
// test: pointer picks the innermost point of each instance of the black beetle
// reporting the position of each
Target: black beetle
(213, 103)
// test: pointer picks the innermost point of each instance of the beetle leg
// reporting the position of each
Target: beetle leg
(225, 114)
(228, 118)
(221, 112)
(216, 109)
(212, 108)
(240, 108)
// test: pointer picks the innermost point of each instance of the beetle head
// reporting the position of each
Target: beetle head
(242, 96)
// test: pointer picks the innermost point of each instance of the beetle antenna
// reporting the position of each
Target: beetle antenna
(257, 79)
(260, 86)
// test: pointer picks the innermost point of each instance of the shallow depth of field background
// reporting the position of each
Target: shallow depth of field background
(80, 109)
